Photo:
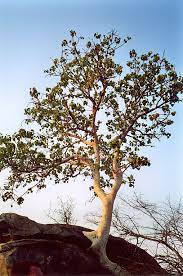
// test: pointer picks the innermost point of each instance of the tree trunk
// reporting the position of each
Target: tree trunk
(100, 236)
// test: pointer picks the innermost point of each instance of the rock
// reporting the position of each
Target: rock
(11, 223)
(31, 248)
(133, 258)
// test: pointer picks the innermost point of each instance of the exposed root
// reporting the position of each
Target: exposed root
(100, 252)
(92, 236)
(112, 267)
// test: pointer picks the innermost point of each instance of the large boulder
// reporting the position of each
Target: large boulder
(31, 248)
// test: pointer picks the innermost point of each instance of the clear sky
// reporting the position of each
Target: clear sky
(31, 32)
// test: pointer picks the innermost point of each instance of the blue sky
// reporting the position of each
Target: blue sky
(31, 32)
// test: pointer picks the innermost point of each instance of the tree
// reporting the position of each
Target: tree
(160, 226)
(64, 213)
(92, 123)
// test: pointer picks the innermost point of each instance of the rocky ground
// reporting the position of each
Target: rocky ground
(34, 249)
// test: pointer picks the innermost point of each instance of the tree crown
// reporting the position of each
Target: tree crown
(94, 108)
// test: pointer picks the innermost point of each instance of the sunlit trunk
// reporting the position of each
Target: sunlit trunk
(100, 236)
(103, 229)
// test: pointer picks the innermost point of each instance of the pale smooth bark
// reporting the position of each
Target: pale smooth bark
(100, 236)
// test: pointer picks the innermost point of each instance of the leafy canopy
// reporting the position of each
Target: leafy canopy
(93, 101)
